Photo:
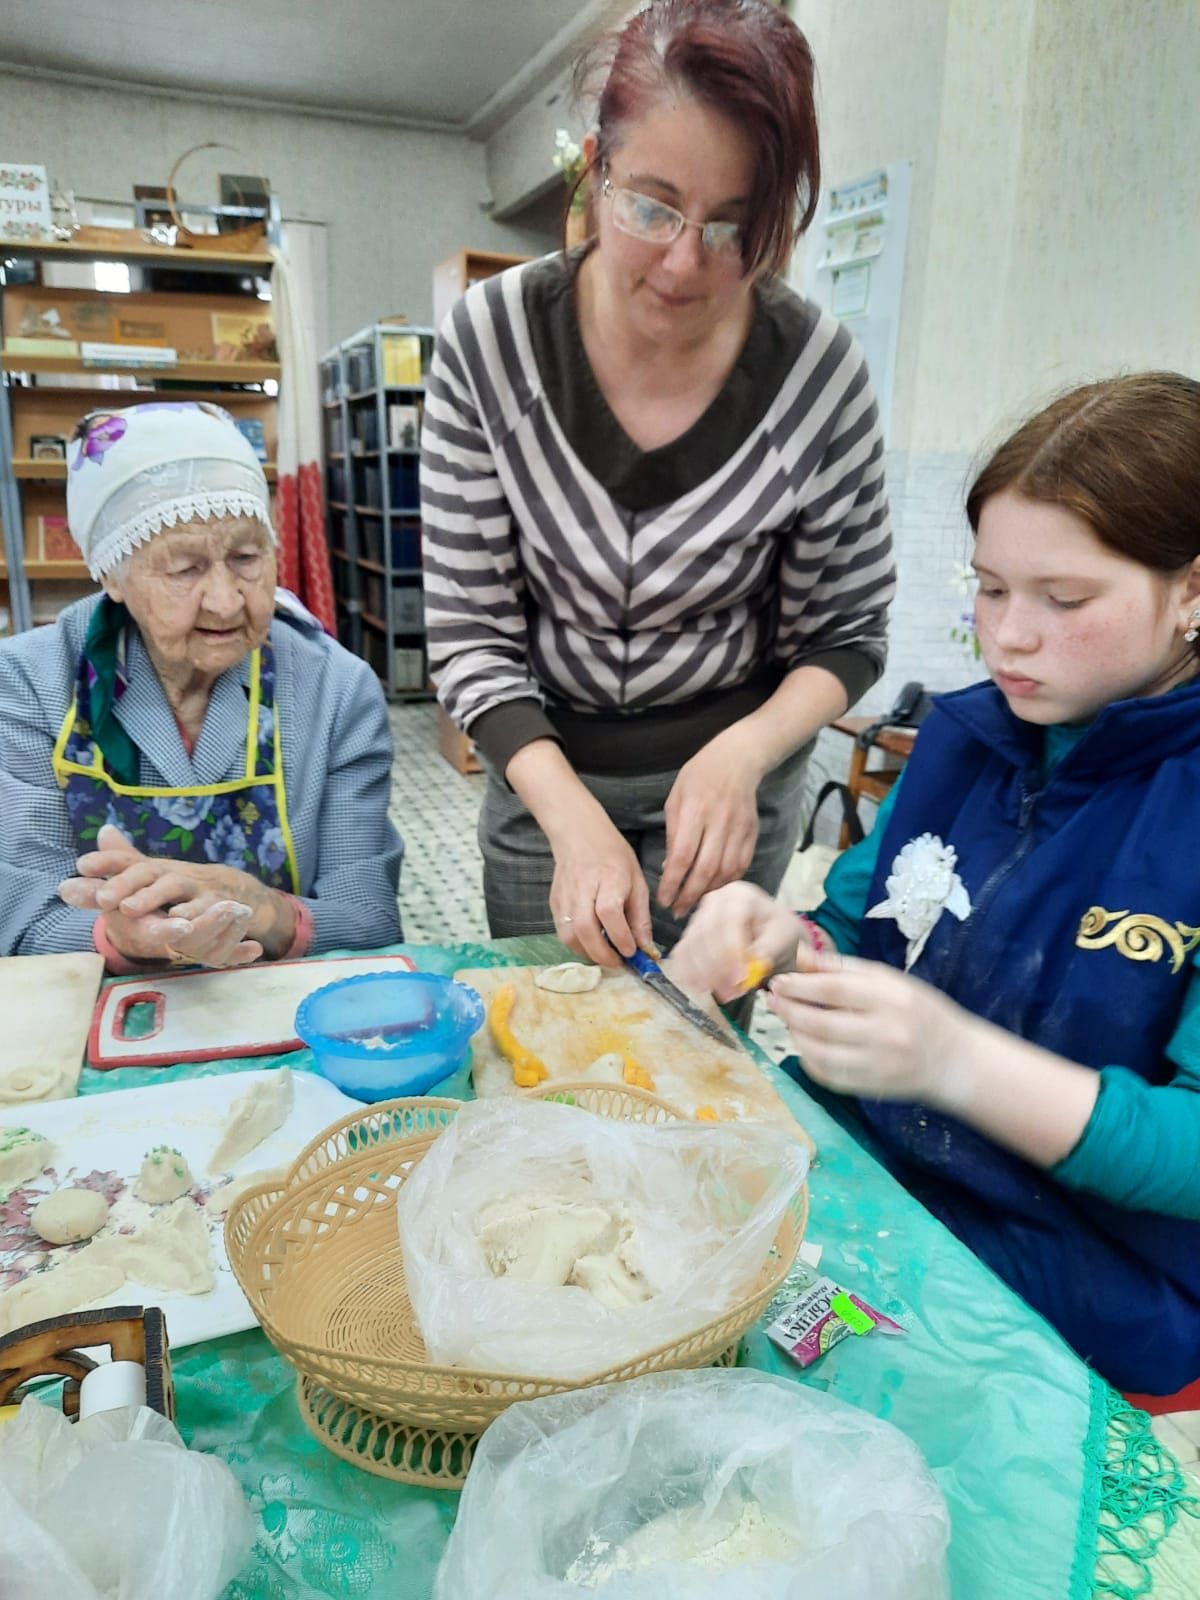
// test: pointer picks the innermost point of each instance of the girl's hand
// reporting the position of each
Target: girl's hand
(599, 889)
(712, 820)
(863, 1028)
(733, 927)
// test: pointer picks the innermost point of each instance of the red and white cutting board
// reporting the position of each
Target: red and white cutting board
(208, 1016)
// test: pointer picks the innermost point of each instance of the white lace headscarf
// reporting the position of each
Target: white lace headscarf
(135, 472)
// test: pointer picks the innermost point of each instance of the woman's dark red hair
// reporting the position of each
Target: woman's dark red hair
(744, 58)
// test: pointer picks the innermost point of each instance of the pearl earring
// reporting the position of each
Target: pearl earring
(1193, 633)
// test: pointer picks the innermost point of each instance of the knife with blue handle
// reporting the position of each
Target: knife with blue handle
(651, 974)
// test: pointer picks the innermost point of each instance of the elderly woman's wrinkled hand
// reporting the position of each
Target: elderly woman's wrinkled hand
(118, 878)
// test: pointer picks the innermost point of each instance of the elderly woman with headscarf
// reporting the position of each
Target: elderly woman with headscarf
(191, 770)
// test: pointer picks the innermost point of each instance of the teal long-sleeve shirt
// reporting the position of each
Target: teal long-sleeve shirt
(1141, 1145)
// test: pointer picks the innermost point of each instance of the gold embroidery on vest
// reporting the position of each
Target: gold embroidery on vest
(1139, 936)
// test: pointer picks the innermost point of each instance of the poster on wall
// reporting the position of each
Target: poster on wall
(854, 266)
(24, 203)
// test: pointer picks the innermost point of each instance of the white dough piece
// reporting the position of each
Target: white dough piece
(608, 1068)
(172, 1252)
(223, 1198)
(165, 1175)
(569, 977)
(69, 1215)
(609, 1280)
(19, 1084)
(539, 1238)
(69, 1286)
(263, 1108)
(23, 1154)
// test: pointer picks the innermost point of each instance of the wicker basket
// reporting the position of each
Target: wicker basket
(319, 1259)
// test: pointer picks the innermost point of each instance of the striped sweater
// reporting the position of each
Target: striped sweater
(567, 570)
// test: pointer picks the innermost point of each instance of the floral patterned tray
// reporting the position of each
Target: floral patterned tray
(99, 1143)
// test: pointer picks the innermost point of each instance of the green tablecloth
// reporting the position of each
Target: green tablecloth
(1044, 1469)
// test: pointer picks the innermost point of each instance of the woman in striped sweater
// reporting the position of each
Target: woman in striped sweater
(657, 550)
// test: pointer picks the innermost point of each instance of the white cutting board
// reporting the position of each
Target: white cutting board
(210, 1016)
(46, 1003)
(99, 1142)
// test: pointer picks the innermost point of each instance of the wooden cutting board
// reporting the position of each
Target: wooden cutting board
(46, 1004)
(569, 1031)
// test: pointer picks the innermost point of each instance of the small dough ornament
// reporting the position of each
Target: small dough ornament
(23, 1155)
(165, 1175)
(69, 1215)
(265, 1107)
(569, 977)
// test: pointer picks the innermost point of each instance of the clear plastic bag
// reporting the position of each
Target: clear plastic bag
(569, 1496)
(706, 1202)
(114, 1506)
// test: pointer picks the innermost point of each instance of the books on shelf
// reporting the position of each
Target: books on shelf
(402, 359)
(95, 354)
(251, 429)
(20, 345)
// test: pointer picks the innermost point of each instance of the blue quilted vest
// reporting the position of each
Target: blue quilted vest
(1085, 893)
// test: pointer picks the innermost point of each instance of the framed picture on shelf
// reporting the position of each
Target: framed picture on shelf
(243, 336)
(55, 542)
(25, 202)
(404, 427)
(47, 447)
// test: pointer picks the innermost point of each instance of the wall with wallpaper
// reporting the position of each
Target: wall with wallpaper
(393, 202)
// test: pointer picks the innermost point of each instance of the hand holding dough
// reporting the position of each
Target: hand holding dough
(263, 1108)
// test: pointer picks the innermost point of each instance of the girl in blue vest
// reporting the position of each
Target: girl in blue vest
(1003, 974)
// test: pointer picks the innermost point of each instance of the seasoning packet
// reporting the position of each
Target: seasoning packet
(822, 1316)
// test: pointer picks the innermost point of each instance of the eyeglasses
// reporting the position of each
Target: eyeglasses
(644, 218)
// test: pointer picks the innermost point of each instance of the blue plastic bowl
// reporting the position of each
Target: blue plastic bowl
(384, 1035)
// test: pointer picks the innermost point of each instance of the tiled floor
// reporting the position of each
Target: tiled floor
(441, 901)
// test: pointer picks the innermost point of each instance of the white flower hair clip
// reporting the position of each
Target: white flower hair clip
(921, 885)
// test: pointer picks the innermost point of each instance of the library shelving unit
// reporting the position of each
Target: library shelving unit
(51, 374)
(372, 397)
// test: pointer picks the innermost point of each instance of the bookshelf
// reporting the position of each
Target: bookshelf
(49, 378)
(372, 396)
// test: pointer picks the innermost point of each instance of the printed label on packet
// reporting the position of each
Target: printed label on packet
(823, 1316)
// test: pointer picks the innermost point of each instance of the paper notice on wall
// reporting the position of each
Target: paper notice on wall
(24, 202)
(851, 290)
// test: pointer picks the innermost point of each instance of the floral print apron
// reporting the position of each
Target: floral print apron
(240, 823)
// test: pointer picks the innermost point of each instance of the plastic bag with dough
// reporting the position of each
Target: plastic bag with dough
(569, 977)
(539, 1238)
(255, 1115)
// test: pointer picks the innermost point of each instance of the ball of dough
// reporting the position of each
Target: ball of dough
(165, 1175)
(23, 1154)
(69, 1215)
